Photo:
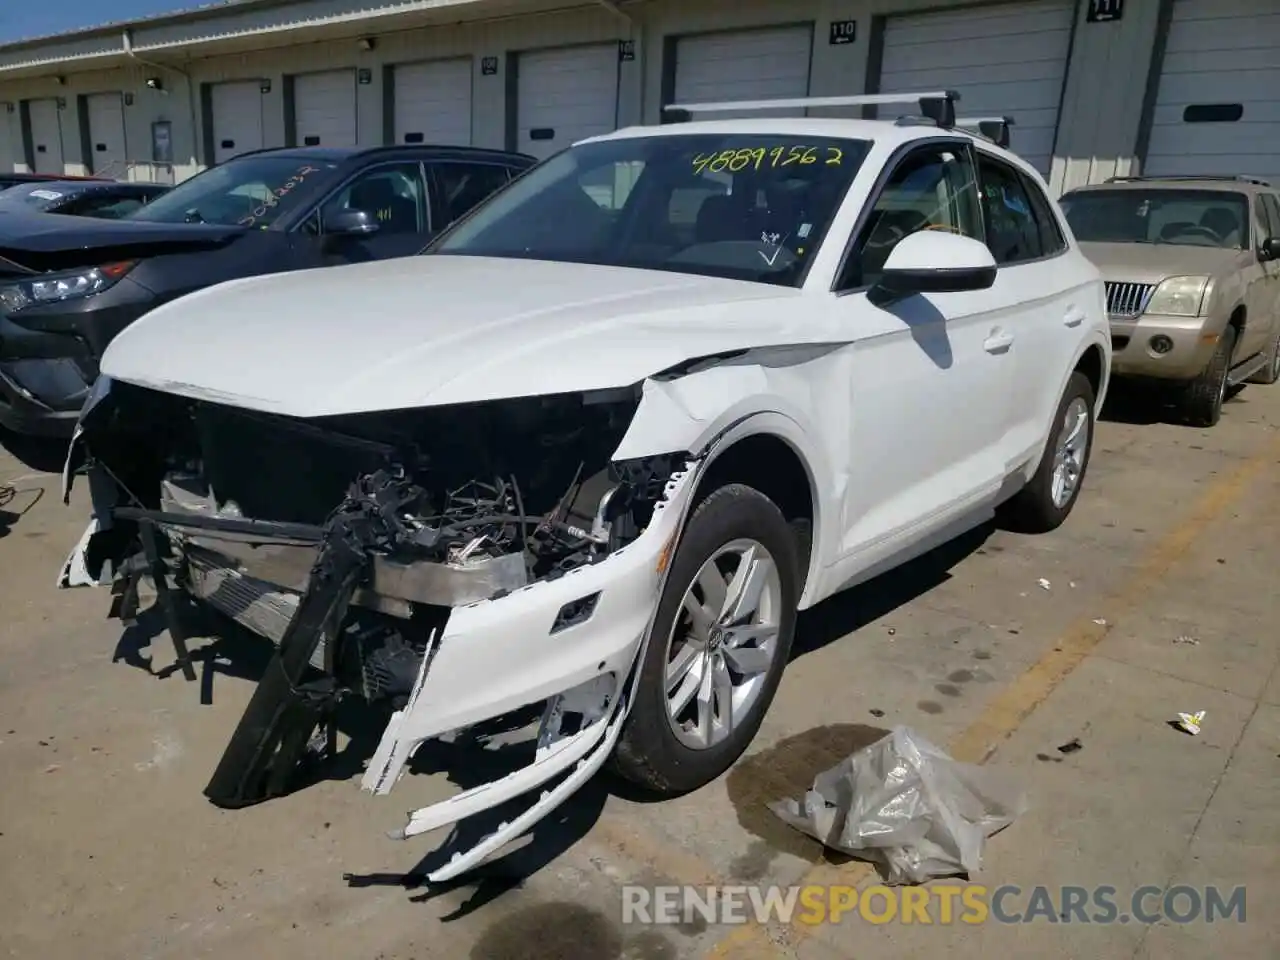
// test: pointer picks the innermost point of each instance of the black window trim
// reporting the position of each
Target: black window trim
(346, 181)
(887, 171)
(1029, 183)
(434, 187)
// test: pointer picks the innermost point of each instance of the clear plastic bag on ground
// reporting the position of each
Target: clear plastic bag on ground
(903, 803)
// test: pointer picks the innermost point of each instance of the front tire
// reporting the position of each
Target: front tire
(1204, 396)
(718, 646)
(1047, 500)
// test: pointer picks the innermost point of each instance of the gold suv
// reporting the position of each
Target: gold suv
(1192, 268)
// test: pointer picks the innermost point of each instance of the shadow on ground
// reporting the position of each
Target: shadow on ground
(842, 614)
(1144, 405)
(489, 751)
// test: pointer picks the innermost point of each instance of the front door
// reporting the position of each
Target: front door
(394, 195)
(931, 374)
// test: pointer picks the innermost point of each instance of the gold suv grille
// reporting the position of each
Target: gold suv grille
(1128, 299)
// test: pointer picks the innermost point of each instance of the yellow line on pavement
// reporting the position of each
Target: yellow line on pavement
(1006, 712)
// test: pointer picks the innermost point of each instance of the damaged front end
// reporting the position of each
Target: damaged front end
(461, 563)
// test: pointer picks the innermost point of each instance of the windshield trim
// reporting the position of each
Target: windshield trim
(862, 146)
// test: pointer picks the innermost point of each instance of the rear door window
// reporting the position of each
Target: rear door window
(460, 186)
(1013, 235)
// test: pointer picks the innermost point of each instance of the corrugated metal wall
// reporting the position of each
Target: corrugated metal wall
(1098, 133)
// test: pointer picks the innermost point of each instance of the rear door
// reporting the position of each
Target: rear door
(1043, 306)
(1271, 230)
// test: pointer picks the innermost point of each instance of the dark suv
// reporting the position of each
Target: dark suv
(69, 285)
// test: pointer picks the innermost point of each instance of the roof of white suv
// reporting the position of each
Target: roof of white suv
(889, 132)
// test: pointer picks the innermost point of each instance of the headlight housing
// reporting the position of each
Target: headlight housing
(1179, 297)
(60, 286)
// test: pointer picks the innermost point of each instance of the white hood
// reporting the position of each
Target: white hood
(434, 330)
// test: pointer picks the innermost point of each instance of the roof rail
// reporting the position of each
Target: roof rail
(1237, 178)
(939, 105)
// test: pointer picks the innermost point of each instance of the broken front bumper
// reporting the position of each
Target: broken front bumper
(571, 641)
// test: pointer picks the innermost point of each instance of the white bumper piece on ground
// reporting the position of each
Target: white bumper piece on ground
(496, 656)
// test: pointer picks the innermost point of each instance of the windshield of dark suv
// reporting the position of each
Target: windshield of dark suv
(1197, 218)
(31, 196)
(250, 191)
(749, 207)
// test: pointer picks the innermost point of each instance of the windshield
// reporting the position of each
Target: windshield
(30, 196)
(248, 192)
(750, 207)
(1196, 218)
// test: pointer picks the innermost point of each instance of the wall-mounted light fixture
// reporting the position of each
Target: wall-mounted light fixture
(367, 43)
(155, 83)
(60, 81)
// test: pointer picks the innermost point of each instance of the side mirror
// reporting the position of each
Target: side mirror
(1270, 249)
(934, 261)
(350, 223)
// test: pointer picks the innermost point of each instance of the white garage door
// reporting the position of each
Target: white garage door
(46, 136)
(324, 109)
(237, 118)
(10, 142)
(108, 152)
(1218, 105)
(433, 102)
(565, 95)
(1006, 60)
(744, 65)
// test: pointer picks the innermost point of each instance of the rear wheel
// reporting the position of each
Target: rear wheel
(1046, 501)
(718, 646)
(1203, 397)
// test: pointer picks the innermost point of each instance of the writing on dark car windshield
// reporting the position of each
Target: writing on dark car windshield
(247, 192)
(737, 206)
(33, 196)
(1194, 218)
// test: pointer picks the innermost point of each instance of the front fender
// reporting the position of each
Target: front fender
(706, 413)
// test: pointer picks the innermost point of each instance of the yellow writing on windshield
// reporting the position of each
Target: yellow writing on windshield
(757, 158)
(275, 196)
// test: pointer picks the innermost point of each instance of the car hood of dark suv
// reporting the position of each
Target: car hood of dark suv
(50, 241)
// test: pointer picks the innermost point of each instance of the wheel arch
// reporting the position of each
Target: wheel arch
(762, 452)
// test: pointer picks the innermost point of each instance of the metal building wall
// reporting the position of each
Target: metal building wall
(1098, 135)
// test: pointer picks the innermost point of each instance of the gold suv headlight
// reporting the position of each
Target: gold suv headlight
(1178, 297)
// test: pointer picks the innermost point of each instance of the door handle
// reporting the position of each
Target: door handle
(998, 342)
(1074, 317)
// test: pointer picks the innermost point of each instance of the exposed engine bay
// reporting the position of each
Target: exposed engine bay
(439, 560)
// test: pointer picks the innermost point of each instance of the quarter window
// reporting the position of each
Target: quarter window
(1013, 235)
(932, 188)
